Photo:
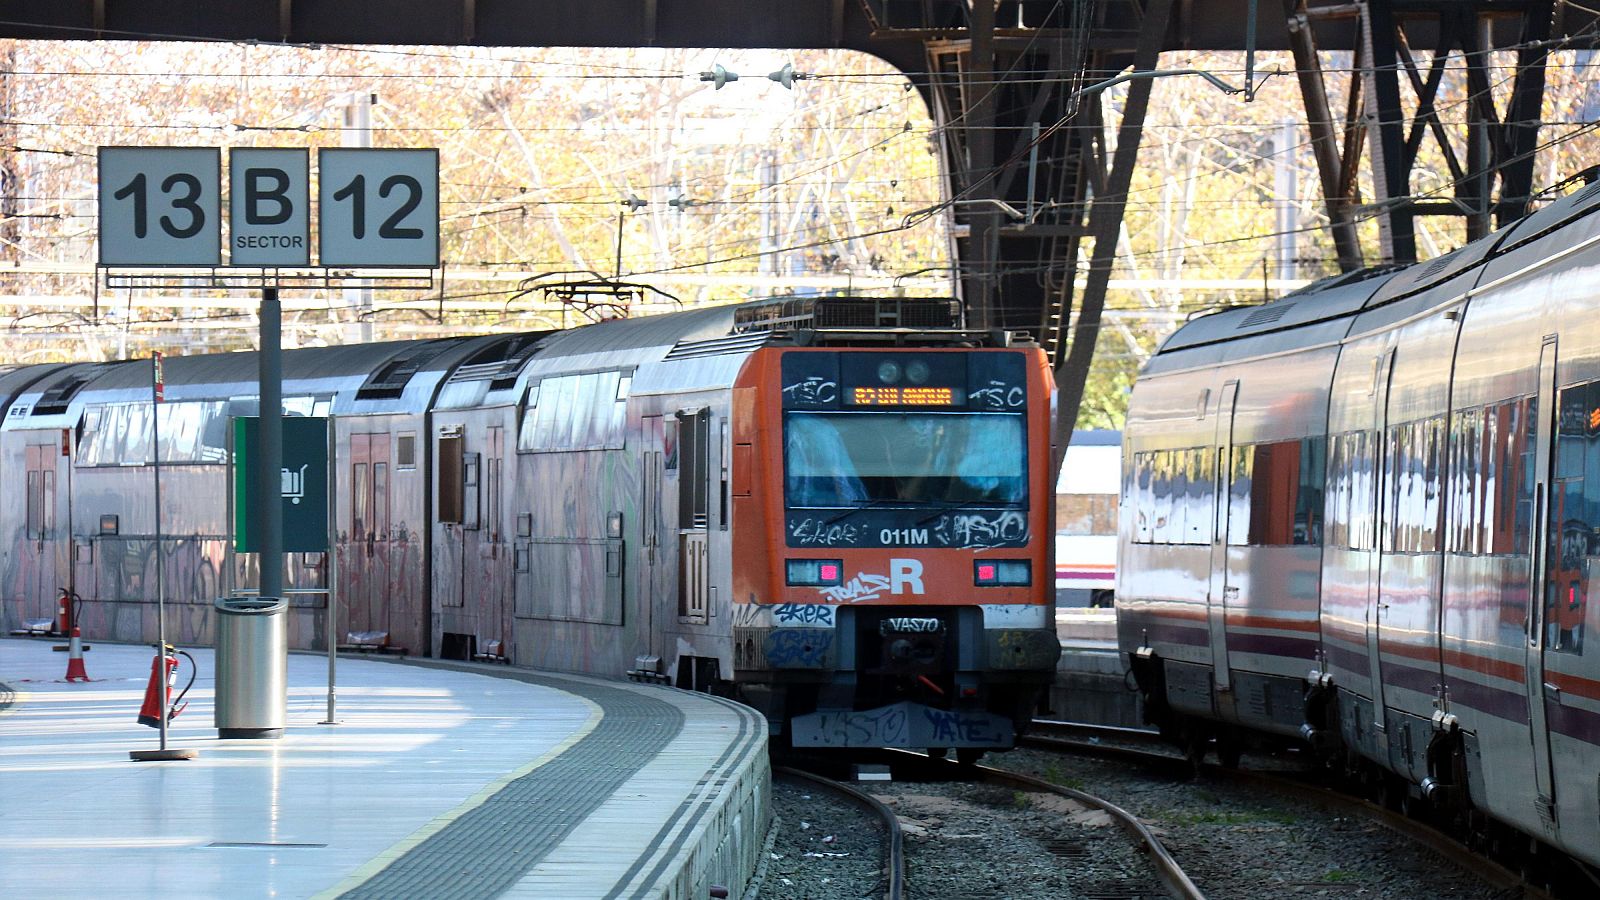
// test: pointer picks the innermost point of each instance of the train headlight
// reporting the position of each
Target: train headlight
(917, 372)
(1001, 573)
(813, 572)
(889, 372)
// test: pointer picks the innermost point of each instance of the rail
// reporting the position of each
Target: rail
(1493, 873)
(894, 858)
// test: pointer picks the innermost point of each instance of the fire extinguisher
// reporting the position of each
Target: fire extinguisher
(67, 611)
(150, 712)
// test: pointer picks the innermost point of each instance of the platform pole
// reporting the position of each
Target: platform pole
(268, 514)
(333, 570)
(163, 754)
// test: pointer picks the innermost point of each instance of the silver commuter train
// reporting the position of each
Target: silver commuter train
(1361, 516)
(573, 500)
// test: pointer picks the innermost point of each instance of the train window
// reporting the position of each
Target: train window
(1202, 480)
(405, 451)
(1276, 494)
(1510, 479)
(1464, 526)
(834, 460)
(727, 456)
(35, 504)
(1138, 497)
(695, 456)
(191, 432)
(1170, 492)
(576, 412)
(1240, 482)
(1161, 497)
(450, 479)
(1411, 487)
(1574, 526)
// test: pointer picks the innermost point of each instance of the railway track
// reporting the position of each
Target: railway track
(1146, 748)
(915, 772)
(894, 857)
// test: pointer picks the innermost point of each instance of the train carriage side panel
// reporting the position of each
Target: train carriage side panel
(1384, 568)
(595, 524)
(469, 450)
(1237, 587)
(1522, 688)
(35, 560)
(1274, 516)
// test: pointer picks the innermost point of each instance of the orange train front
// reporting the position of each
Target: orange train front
(892, 543)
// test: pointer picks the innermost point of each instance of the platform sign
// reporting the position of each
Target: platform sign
(304, 483)
(160, 206)
(378, 207)
(269, 207)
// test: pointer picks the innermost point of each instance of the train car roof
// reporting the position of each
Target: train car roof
(1330, 298)
(633, 344)
(1370, 289)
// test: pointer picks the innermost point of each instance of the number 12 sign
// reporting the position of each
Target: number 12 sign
(378, 207)
(159, 206)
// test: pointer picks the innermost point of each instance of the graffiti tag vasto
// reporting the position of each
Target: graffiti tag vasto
(903, 724)
(980, 530)
(905, 577)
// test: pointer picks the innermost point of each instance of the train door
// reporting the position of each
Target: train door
(1217, 596)
(1542, 567)
(480, 537)
(656, 577)
(1383, 512)
(694, 468)
(46, 572)
(369, 531)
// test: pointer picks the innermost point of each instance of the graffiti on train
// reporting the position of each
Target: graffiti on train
(813, 390)
(905, 577)
(977, 530)
(822, 533)
(803, 614)
(901, 725)
(999, 395)
(802, 647)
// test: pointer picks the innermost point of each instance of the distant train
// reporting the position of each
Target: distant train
(1361, 516)
(1086, 519)
(835, 509)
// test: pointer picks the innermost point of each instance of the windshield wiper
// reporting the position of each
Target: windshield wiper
(865, 504)
(963, 504)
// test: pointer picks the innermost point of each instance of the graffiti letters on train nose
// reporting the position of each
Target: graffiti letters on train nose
(981, 529)
(905, 577)
(999, 395)
(813, 390)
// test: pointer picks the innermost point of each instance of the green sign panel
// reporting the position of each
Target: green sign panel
(304, 483)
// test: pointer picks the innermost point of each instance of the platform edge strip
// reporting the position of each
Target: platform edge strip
(383, 860)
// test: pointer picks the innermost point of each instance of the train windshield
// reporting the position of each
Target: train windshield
(912, 458)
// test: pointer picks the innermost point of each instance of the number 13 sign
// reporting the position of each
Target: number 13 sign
(161, 206)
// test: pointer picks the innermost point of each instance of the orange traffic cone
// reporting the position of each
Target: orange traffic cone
(75, 670)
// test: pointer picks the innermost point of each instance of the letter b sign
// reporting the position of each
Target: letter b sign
(270, 211)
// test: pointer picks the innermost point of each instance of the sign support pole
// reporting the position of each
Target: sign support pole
(157, 388)
(268, 524)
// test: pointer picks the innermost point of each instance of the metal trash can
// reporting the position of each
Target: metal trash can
(252, 667)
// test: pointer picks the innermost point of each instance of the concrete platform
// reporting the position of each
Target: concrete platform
(1092, 681)
(441, 780)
